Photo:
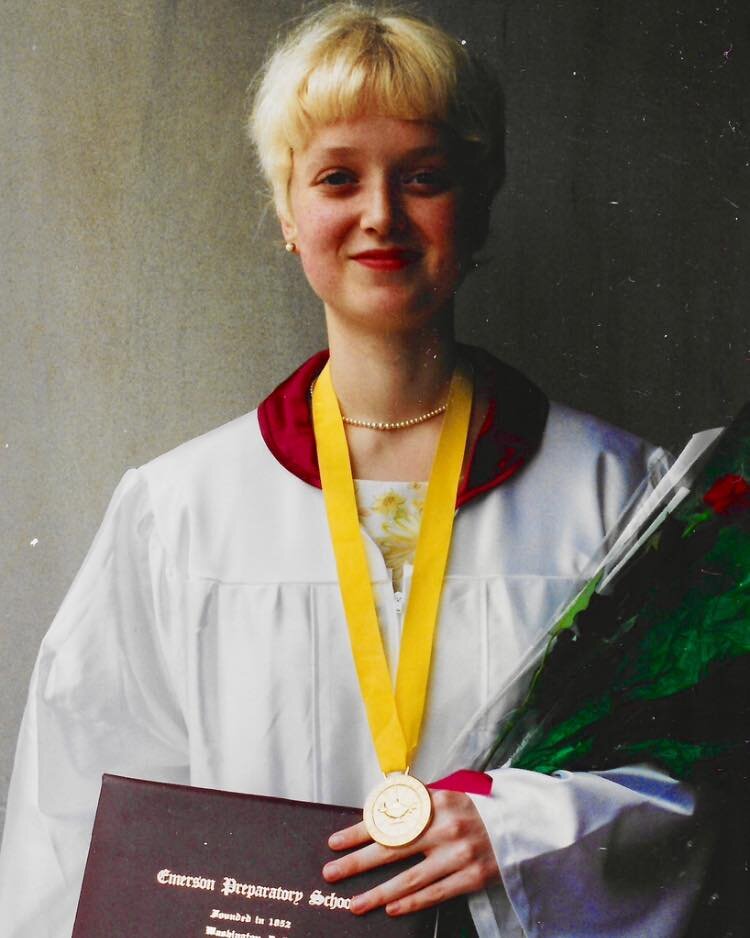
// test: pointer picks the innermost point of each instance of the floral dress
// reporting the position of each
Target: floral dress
(391, 513)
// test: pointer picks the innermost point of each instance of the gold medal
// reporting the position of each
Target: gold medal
(398, 810)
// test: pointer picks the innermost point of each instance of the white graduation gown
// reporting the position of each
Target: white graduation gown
(203, 642)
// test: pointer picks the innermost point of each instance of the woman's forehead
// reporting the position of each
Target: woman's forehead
(376, 135)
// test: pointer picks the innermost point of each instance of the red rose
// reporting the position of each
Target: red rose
(729, 494)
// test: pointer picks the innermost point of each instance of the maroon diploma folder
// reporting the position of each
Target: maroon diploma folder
(170, 861)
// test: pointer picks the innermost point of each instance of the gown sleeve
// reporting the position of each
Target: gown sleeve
(104, 697)
(591, 854)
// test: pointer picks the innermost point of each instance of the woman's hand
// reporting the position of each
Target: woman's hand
(458, 859)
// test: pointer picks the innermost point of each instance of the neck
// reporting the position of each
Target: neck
(391, 377)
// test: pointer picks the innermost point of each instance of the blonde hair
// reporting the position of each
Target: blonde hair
(347, 60)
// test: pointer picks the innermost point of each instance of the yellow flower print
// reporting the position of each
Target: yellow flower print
(392, 520)
(398, 549)
(392, 505)
(399, 542)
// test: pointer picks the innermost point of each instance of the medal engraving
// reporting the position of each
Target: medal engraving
(397, 811)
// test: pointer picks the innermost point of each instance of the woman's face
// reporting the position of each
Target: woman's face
(375, 208)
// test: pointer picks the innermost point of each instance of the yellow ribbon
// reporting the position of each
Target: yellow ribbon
(395, 719)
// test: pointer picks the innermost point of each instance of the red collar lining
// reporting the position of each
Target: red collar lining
(509, 437)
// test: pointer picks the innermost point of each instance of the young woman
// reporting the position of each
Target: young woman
(207, 638)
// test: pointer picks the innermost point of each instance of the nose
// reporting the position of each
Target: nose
(382, 211)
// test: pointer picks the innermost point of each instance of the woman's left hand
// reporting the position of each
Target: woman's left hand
(458, 859)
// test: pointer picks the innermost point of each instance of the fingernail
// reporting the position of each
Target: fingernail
(357, 904)
(393, 908)
(334, 840)
(330, 870)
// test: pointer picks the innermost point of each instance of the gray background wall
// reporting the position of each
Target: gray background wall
(146, 298)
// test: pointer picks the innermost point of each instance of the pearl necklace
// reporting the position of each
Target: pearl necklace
(391, 424)
(395, 424)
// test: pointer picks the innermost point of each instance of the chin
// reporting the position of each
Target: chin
(397, 320)
(410, 310)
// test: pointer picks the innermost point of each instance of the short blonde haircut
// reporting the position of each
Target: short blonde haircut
(348, 60)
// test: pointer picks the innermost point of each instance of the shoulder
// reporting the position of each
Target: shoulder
(589, 461)
(192, 492)
(581, 436)
(208, 460)
(217, 469)
(557, 513)
(221, 503)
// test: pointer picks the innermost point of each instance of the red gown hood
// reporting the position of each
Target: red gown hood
(509, 437)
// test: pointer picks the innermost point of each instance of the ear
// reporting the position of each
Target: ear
(288, 228)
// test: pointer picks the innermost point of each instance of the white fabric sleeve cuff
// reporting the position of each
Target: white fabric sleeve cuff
(613, 854)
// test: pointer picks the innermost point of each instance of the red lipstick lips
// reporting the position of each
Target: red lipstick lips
(386, 259)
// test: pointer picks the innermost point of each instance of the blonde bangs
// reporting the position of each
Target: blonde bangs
(347, 61)
(393, 77)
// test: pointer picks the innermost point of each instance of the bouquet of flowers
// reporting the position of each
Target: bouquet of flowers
(656, 668)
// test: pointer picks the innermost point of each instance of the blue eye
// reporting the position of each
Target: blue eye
(338, 178)
(433, 180)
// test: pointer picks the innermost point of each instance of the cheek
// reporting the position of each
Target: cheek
(321, 232)
(447, 234)
(318, 274)
(319, 241)
(321, 226)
